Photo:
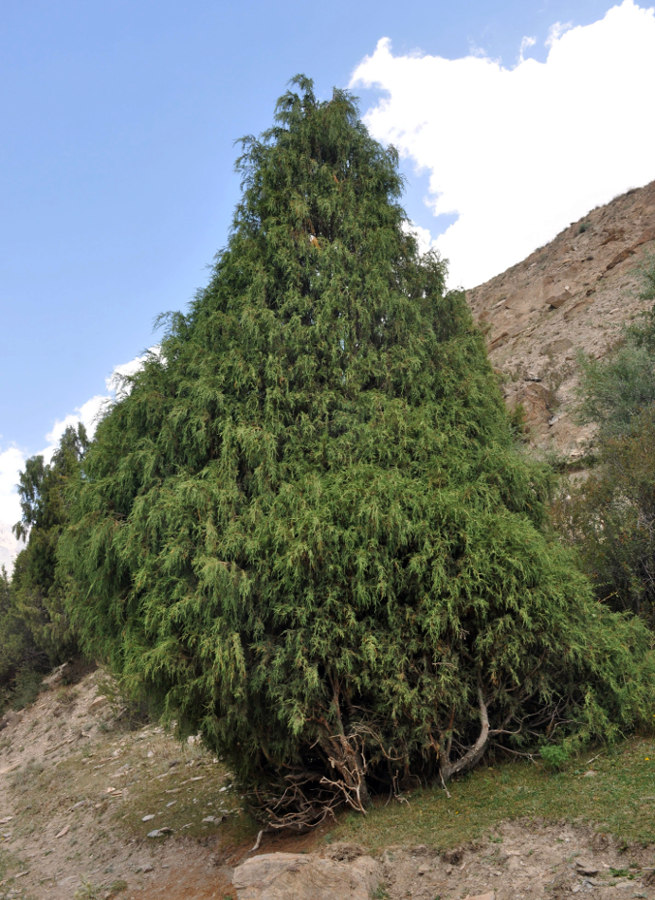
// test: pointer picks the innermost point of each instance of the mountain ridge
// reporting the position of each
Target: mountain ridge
(573, 295)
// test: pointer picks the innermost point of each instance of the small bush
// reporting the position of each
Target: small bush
(26, 687)
(555, 756)
(611, 519)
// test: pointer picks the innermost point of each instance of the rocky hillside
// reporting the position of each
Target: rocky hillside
(572, 295)
(93, 808)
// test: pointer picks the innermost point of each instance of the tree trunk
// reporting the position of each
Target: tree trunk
(474, 754)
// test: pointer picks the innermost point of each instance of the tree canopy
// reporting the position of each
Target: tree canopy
(34, 624)
(306, 531)
(610, 517)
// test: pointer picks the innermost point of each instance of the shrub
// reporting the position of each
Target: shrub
(610, 517)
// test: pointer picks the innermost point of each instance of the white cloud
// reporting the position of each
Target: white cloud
(556, 31)
(526, 43)
(12, 460)
(92, 410)
(518, 153)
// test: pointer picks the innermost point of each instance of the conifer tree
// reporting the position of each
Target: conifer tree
(306, 531)
(38, 587)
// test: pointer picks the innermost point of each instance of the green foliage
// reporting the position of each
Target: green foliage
(611, 516)
(26, 686)
(306, 531)
(555, 756)
(47, 493)
(611, 519)
(34, 624)
(615, 390)
(15, 640)
(647, 272)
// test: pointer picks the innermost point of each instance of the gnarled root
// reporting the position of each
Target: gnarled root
(346, 756)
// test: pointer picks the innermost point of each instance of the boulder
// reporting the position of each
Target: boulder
(298, 876)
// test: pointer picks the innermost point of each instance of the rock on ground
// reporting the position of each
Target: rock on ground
(297, 876)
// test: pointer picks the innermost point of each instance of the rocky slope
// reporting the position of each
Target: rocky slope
(575, 294)
(92, 809)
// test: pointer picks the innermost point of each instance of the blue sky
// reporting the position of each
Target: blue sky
(116, 165)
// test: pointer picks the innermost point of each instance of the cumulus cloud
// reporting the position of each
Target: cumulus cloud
(11, 462)
(91, 411)
(556, 31)
(518, 153)
(526, 43)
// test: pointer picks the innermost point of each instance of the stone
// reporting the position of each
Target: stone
(160, 832)
(98, 703)
(586, 867)
(56, 676)
(297, 876)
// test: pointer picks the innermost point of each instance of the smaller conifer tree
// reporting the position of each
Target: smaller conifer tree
(610, 517)
(38, 586)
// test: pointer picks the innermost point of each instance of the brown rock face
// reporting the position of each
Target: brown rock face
(572, 295)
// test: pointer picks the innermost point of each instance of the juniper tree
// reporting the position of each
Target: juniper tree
(306, 531)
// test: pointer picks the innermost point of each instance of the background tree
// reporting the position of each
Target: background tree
(610, 516)
(306, 531)
(614, 391)
(15, 637)
(38, 586)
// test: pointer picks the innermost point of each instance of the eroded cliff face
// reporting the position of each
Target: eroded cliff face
(575, 294)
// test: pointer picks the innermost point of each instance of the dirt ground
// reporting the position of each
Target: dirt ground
(89, 809)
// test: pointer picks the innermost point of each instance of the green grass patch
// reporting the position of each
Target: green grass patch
(186, 791)
(619, 798)
(90, 891)
(10, 866)
(145, 782)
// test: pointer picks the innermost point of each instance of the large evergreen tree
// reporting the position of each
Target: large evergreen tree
(306, 531)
